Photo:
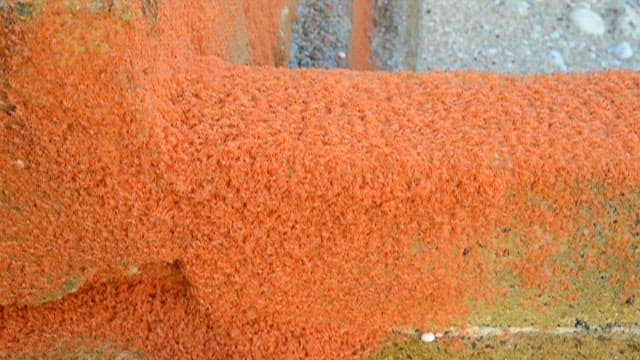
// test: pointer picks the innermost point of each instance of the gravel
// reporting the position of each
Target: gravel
(526, 36)
(321, 34)
(510, 36)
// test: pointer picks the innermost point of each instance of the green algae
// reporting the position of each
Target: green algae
(582, 346)
(287, 17)
(150, 11)
(413, 29)
(129, 268)
(239, 48)
(71, 285)
(587, 272)
(24, 9)
(78, 350)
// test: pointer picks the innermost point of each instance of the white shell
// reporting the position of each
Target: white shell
(427, 337)
(622, 51)
(557, 59)
(588, 21)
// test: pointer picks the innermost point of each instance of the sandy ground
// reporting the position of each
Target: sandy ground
(513, 36)
(518, 36)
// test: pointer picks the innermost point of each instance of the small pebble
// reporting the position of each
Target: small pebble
(622, 51)
(491, 52)
(427, 337)
(557, 59)
(19, 164)
(587, 21)
(342, 55)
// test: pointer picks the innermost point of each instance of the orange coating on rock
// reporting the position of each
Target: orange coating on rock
(308, 211)
(360, 35)
(263, 27)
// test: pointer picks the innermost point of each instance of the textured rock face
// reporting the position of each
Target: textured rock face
(190, 202)
(76, 144)
(321, 34)
(507, 36)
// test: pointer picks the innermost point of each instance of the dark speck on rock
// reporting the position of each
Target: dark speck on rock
(631, 300)
(582, 324)
(9, 109)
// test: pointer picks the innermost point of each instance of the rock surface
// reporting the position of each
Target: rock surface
(628, 22)
(509, 36)
(321, 34)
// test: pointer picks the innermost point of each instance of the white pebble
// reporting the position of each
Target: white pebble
(427, 337)
(342, 55)
(622, 51)
(491, 52)
(588, 21)
(557, 59)
(19, 164)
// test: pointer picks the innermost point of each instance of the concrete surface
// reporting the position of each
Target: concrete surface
(512, 36)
